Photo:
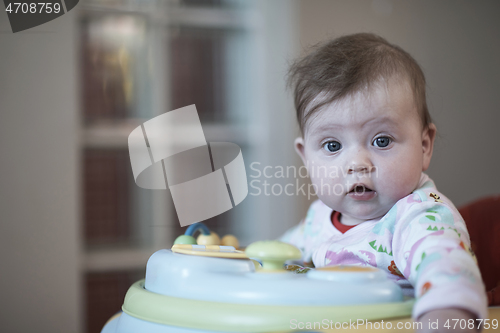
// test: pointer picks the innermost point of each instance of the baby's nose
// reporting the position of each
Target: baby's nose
(360, 168)
(361, 163)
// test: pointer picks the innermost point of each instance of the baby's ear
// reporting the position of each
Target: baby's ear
(428, 136)
(299, 148)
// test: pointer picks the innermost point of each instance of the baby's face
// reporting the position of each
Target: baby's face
(366, 152)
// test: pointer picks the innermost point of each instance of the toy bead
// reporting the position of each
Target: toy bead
(230, 240)
(185, 239)
(272, 254)
(212, 239)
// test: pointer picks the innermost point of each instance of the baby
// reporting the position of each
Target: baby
(367, 137)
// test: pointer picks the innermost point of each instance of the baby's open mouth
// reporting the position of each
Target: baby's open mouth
(359, 189)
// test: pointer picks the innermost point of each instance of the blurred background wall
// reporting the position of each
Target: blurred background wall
(39, 179)
(76, 231)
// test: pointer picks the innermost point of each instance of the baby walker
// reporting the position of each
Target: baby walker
(202, 285)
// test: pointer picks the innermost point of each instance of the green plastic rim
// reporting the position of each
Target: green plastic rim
(216, 316)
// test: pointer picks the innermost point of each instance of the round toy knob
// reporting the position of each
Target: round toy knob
(272, 254)
(230, 240)
(185, 239)
(212, 239)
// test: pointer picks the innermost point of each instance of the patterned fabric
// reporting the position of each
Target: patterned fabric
(421, 243)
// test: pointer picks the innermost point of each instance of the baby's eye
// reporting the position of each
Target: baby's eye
(332, 146)
(382, 141)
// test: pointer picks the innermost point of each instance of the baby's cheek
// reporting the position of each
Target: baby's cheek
(398, 182)
(328, 185)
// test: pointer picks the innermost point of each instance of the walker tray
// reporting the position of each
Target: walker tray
(210, 288)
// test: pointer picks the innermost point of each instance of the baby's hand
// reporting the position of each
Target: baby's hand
(446, 317)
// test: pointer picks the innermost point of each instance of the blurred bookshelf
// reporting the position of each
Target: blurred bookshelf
(139, 59)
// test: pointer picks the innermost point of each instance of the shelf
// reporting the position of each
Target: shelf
(115, 134)
(115, 260)
(172, 15)
(214, 18)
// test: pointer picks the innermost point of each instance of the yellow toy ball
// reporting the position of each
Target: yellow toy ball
(212, 239)
(230, 240)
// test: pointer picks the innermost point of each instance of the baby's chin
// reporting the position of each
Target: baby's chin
(363, 217)
(362, 213)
